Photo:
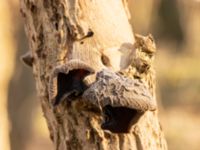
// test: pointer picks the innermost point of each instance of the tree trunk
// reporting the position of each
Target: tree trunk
(70, 42)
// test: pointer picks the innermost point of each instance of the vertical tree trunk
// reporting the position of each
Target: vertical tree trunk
(189, 14)
(74, 38)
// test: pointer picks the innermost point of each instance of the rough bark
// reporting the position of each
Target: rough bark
(71, 41)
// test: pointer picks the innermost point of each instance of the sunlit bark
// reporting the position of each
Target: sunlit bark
(69, 38)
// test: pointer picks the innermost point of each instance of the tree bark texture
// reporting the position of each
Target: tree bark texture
(75, 40)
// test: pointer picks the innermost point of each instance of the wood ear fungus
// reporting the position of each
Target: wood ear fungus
(66, 81)
(123, 100)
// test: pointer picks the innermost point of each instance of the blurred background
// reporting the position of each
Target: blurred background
(175, 25)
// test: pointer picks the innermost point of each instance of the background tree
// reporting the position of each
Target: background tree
(7, 52)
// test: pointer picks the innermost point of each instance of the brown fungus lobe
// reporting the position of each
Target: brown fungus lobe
(66, 81)
(123, 100)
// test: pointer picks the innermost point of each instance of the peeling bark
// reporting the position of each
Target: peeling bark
(97, 34)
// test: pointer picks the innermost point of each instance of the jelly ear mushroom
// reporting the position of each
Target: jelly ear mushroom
(66, 81)
(123, 100)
